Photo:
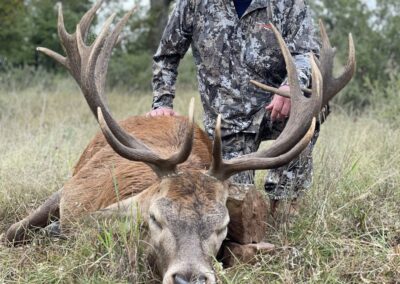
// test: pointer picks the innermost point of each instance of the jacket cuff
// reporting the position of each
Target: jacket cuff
(163, 101)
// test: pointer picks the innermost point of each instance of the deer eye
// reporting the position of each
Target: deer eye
(154, 221)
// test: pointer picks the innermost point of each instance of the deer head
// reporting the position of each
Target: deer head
(186, 209)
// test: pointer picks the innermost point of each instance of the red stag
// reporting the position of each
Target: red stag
(173, 174)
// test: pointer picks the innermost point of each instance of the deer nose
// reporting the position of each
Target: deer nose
(189, 279)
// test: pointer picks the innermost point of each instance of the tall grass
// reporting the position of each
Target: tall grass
(348, 230)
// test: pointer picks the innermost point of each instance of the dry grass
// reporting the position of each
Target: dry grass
(348, 230)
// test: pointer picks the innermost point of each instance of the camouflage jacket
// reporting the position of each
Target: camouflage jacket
(229, 52)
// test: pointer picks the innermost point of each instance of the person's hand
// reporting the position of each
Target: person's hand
(280, 106)
(162, 111)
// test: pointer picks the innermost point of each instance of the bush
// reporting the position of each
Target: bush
(130, 71)
(21, 78)
(375, 34)
(386, 100)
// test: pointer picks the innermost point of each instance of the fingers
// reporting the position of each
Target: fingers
(276, 107)
(285, 111)
(161, 112)
(274, 114)
(279, 108)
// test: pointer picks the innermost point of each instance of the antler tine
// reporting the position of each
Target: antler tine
(333, 85)
(293, 80)
(162, 167)
(326, 43)
(276, 90)
(270, 89)
(68, 42)
(105, 55)
(337, 84)
(64, 36)
(88, 57)
(186, 148)
(293, 139)
(217, 163)
(87, 19)
(57, 57)
(96, 50)
(317, 85)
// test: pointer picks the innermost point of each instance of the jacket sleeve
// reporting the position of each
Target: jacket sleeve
(174, 43)
(298, 32)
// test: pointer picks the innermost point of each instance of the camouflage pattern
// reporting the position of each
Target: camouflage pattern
(287, 182)
(294, 179)
(229, 52)
(236, 145)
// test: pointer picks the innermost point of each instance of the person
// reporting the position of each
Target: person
(232, 43)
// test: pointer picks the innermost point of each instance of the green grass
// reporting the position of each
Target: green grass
(347, 232)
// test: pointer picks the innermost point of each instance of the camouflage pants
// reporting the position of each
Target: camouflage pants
(287, 182)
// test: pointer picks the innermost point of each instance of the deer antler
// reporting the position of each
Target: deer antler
(293, 139)
(333, 85)
(88, 65)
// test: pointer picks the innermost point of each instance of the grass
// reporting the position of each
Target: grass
(348, 230)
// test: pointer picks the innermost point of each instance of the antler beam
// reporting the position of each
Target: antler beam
(88, 65)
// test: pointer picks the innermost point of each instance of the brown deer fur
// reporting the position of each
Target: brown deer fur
(99, 168)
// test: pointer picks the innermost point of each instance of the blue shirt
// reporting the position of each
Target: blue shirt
(241, 6)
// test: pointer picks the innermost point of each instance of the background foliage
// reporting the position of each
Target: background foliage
(30, 23)
(24, 25)
(375, 31)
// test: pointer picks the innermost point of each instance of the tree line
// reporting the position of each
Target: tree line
(26, 24)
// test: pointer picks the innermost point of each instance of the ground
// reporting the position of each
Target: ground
(348, 230)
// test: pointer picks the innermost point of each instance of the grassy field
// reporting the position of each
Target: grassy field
(348, 230)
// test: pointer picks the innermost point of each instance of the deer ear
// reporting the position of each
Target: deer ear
(125, 208)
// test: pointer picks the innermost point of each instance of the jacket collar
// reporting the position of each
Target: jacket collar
(255, 5)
